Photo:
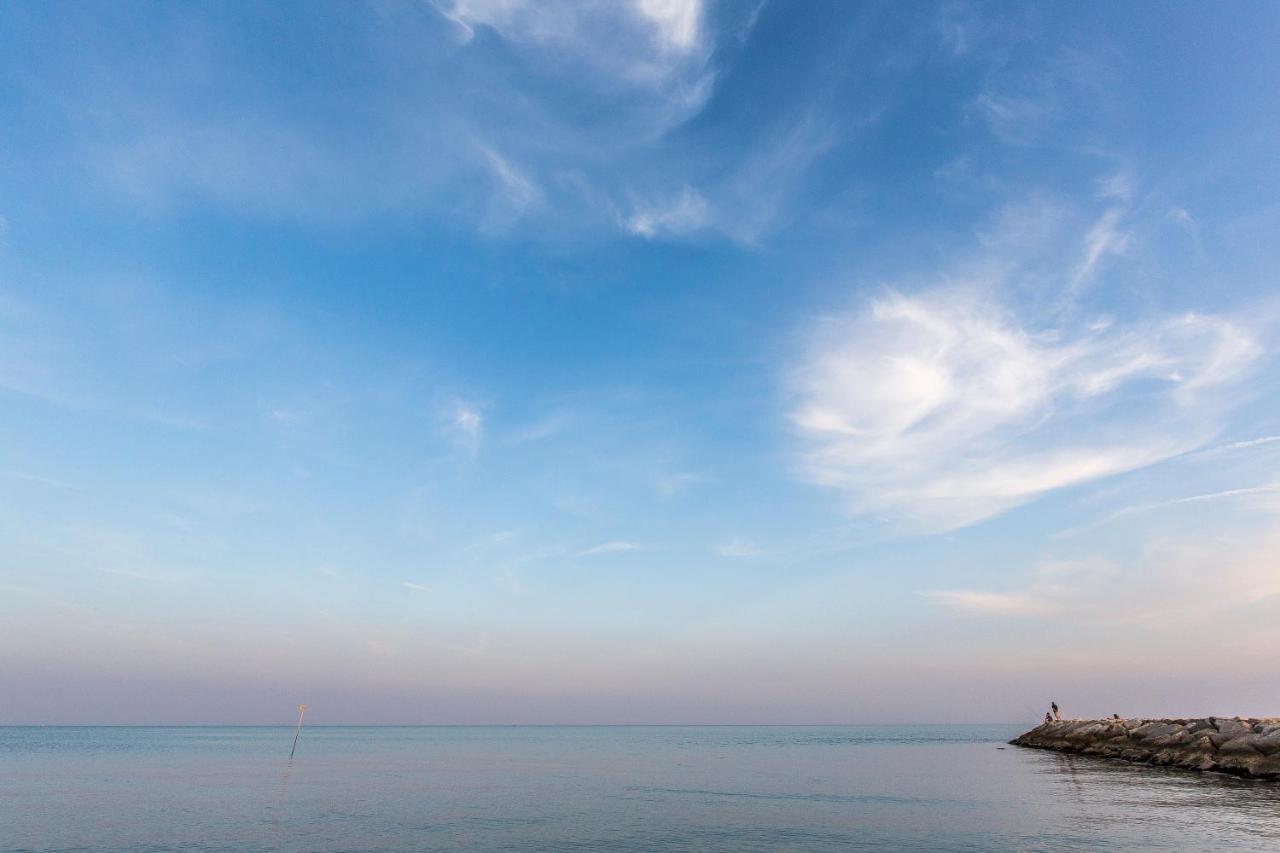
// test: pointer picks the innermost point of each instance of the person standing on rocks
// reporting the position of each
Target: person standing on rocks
(1057, 715)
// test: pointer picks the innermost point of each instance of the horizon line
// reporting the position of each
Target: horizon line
(290, 725)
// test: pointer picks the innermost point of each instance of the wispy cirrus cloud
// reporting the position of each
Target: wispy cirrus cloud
(649, 58)
(1065, 90)
(486, 128)
(987, 603)
(556, 118)
(1167, 585)
(739, 548)
(614, 547)
(947, 407)
(686, 214)
(514, 191)
(640, 42)
(1245, 444)
(1106, 237)
(672, 484)
(1243, 493)
(944, 406)
(1016, 119)
(465, 422)
(541, 429)
(748, 200)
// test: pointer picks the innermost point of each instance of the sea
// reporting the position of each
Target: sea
(631, 788)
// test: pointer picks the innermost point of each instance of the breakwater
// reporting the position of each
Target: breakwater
(1236, 745)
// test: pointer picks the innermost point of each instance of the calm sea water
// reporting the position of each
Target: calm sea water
(618, 789)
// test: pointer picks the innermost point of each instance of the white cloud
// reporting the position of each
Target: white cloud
(1055, 587)
(671, 484)
(1056, 101)
(467, 423)
(476, 132)
(547, 427)
(1212, 496)
(615, 547)
(1202, 558)
(677, 22)
(1225, 494)
(736, 547)
(514, 191)
(1017, 120)
(552, 117)
(283, 416)
(1117, 187)
(749, 200)
(1241, 445)
(647, 62)
(640, 42)
(976, 602)
(415, 587)
(1171, 584)
(756, 196)
(1104, 238)
(946, 408)
(687, 213)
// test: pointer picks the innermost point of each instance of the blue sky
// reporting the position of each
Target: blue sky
(653, 361)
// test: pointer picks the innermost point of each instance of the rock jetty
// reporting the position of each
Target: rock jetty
(1237, 745)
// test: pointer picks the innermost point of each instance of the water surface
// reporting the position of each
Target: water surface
(602, 788)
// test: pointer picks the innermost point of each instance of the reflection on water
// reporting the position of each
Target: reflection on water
(1220, 805)
(545, 789)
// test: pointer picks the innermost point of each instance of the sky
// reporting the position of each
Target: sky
(649, 361)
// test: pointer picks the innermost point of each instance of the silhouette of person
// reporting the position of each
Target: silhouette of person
(1047, 717)
(1057, 715)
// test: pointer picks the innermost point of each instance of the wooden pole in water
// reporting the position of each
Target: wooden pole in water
(302, 709)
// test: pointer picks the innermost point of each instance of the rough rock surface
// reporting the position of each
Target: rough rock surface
(1236, 745)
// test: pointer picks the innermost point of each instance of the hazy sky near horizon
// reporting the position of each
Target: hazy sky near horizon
(653, 361)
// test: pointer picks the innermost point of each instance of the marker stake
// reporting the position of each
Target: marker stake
(302, 709)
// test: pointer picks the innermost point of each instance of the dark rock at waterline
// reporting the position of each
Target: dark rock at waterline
(1236, 745)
